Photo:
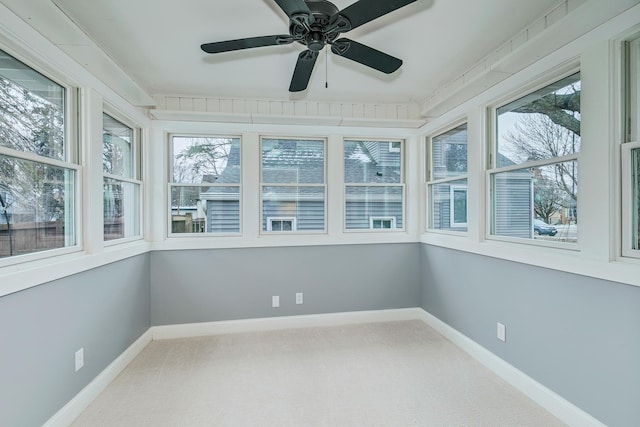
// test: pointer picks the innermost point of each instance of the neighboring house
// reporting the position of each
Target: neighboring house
(513, 202)
(513, 198)
(292, 207)
(373, 206)
(449, 205)
(220, 205)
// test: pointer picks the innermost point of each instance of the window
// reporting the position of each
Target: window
(37, 174)
(293, 185)
(205, 185)
(383, 222)
(534, 165)
(374, 185)
(447, 180)
(281, 224)
(631, 156)
(121, 180)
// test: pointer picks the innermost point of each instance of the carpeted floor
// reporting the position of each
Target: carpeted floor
(380, 374)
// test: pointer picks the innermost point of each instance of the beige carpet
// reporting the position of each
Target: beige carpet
(380, 374)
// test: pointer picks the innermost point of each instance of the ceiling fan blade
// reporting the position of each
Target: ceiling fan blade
(364, 11)
(251, 42)
(302, 73)
(295, 8)
(366, 55)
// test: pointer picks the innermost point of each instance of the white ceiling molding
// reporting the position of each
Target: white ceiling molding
(565, 23)
(236, 110)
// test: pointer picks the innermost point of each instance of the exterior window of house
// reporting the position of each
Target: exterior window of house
(374, 185)
(383, 222)
(121, 179)
(631, 156)
(293, 185)
(447, 180)
(534, 165)
(205, 184)
(281, 224)
(38, 176)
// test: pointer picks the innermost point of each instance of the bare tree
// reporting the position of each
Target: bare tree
(538, 137)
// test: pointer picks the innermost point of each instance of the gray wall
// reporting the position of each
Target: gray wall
(578, 336)
(224, 284)
(103, 310)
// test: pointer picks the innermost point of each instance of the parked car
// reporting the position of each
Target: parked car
(542, 228)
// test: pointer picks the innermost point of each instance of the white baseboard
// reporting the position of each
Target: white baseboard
(552, 402)
(188, 330)
(69, 412)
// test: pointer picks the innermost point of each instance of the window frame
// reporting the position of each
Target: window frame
(630, 141)
(372, 219)
(171, 184)
(402, 184)
(136, 173)
(261, 184)
(71, 160)
(452, 191)
(492, 155)
(271, 219)
(431, 182)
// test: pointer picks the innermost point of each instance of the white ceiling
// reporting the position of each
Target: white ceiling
(157, 43)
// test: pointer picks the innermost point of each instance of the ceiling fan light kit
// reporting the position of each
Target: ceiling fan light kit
(317, 23)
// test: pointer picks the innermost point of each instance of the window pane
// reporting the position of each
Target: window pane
(364, 202)
(292, 161)
(117, 147)
(448, 205)
(37, 207)
(206, 159)
(204, 209)
(121, 209)
(305, 204)
(537, 203)
(635, 183)
(31, 110)
(371, 162)
(542, 125)
(449, 153)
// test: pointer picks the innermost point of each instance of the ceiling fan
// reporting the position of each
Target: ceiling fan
(316, 23)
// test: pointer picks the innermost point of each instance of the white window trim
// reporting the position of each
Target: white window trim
(382, 218)
(431, 183)
(402, 184)
(136, 173)
(393, 149)
(452, 190)
(71, 162)
(172, 184)
(271, 219)
(492, 151)
(627, 204)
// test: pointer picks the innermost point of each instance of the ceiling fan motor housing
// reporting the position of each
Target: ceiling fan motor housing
(319, 33)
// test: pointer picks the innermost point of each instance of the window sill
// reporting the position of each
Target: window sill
(25, 275)
(567, 260)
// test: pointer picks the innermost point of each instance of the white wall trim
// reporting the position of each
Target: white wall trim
(552, 402)
(189, 330)
(83, 399)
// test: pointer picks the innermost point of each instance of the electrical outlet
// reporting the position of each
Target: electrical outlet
(502, 332)
(275, 301)
(79, 359)
(299, 298)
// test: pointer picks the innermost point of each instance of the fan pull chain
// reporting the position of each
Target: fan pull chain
(326, 70)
